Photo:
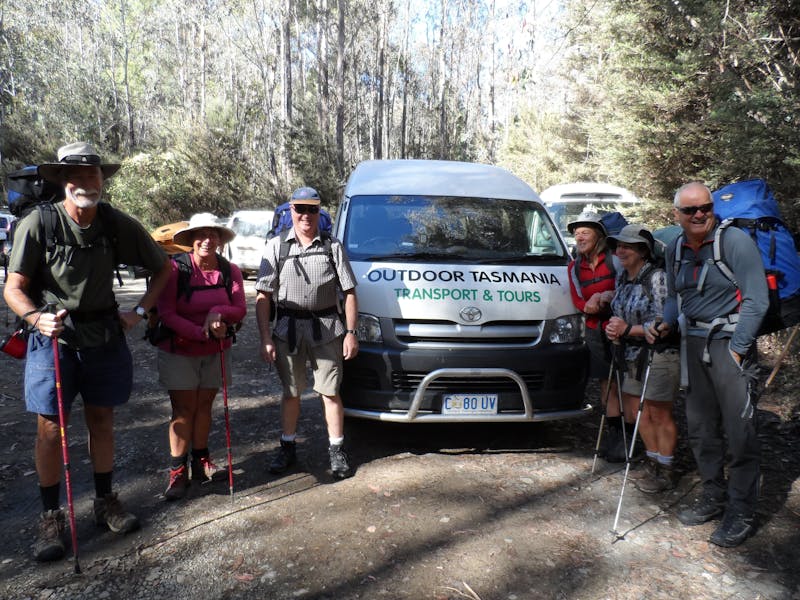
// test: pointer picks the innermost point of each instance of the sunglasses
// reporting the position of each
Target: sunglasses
(690, 210)
(302, 209)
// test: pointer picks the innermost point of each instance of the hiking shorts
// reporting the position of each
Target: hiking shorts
(178, 372)
(103, 376)
(664, 379)
(326, 364)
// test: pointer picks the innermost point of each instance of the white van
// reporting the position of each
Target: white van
(245, 250)
(568, 200)
(464, 305)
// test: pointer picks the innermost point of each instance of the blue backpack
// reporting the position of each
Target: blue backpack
(282, 220)
(751, 206)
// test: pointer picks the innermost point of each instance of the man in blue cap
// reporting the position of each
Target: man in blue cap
(304, 270)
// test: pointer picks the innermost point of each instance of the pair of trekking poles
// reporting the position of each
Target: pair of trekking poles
(614, 374)
(65, 453)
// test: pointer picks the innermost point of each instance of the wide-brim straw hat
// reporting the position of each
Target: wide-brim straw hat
(632, 234)
(184, 236)
(78, 154)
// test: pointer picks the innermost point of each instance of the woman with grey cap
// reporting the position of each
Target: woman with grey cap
(638, 303)
(591, 280)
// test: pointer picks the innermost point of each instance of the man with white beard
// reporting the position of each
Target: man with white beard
(60, 281)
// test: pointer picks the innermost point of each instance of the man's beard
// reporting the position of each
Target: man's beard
(78, 196)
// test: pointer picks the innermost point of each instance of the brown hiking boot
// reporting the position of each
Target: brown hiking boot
(658, 479)
(50, 544)
(178, 482)
(108, 511)
(203, 470)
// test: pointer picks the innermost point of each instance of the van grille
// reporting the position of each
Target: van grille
(495, 333)
(409, 382)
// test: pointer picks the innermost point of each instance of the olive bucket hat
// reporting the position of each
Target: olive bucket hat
(632, 234)
(78, 154)
(587, 219)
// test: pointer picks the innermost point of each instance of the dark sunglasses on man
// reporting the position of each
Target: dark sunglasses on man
(690, 210)
(302, 209)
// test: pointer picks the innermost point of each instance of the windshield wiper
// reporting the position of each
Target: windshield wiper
(524, 259)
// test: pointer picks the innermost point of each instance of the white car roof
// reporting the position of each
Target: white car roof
(583, 191)
(436, 178)
(254, 216)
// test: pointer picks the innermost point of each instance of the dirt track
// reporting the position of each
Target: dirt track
(489, 512)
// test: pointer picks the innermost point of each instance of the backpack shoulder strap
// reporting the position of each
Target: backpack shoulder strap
(719, 251)
(576, 265)
(283, 251)
(184, 262)
(48, 219)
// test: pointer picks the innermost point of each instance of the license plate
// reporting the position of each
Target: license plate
(469, 404)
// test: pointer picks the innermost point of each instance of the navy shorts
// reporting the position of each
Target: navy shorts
(103, 376)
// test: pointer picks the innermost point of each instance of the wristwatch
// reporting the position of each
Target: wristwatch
(353, 331)
(139, 310)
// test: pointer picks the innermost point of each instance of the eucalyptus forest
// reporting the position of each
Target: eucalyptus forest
(218, 105)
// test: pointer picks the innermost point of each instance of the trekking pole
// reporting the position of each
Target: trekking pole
(617, 355)
(783, 354)
(227, 418)
(633, 440)
(64, 451)
(603, 416)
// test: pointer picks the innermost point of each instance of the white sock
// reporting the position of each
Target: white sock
(288, 438)
(665, 460)
(653, 455)
(335, 441)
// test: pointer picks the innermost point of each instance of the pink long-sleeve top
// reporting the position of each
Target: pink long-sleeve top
(187, 318)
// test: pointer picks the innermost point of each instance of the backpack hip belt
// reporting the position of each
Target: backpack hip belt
(726, 323)
(86, 316)
(314, 316)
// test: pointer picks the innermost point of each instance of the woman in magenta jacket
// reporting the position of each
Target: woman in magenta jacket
(200, 314)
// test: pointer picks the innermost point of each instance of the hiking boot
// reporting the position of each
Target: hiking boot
(284, 458)
(704, 508)
(178, 482)
(658, 478)
(615, 450)
(50, 544)
(203, 470)
(734, 529)
(339, 466)
(643, 470)
(108, 511)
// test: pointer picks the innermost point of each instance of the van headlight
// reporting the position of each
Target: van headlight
(567, 330)
(369, 328)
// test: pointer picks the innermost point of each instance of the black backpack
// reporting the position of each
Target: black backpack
(156, 332)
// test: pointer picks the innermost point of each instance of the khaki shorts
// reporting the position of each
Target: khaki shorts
(664, 379)
(326, 364)
(177, 372)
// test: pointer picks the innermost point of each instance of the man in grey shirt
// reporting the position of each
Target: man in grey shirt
(304, 270)
(719, 322)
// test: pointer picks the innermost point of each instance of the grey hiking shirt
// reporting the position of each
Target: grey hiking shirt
(718, 297)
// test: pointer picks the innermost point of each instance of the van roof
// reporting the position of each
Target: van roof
(436, 178)
(587, 191)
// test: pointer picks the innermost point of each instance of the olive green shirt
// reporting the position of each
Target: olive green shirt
(78, 272)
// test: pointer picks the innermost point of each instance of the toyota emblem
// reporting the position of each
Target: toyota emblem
(470, 314)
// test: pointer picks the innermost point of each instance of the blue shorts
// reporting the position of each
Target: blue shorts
(103, 376)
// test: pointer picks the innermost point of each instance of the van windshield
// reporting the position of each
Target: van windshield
(443, 227)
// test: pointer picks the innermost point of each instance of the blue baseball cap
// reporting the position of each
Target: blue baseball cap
(305, 195)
